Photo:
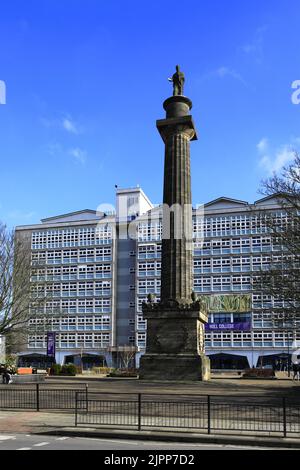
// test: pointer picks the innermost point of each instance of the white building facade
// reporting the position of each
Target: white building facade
(96, 269)
(231, 245)
(82, 263)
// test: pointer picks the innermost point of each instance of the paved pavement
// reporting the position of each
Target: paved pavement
(34, 422)
(61, 424)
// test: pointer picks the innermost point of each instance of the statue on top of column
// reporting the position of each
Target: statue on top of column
(178, 82)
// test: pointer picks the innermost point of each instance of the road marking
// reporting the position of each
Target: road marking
(41, 444)
(61, 438)
(24, 448)
(5, 437)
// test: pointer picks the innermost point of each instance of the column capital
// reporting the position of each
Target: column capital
(179, 125)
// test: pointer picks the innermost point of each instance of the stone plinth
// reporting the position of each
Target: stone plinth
(175, 341)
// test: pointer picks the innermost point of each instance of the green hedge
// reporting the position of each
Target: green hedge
(55, 369)
(67, 369)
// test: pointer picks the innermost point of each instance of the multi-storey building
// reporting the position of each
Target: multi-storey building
(96, 269)
(83, 265)
(231, 246)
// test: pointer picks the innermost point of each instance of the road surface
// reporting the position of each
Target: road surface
(45, 442)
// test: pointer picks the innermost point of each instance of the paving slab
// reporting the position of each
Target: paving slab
(32, 421)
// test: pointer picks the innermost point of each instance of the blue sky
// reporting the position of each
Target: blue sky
(85, 83)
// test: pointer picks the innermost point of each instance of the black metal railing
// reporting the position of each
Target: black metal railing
(37, 397)
(256, 415)
(243, 415)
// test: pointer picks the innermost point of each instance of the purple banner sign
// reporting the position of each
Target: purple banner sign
(51, 344)
(245, 326)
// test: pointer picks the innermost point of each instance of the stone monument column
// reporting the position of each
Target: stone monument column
(177, 256)
(175, 325)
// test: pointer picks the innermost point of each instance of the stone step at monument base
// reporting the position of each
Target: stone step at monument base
(176, 367)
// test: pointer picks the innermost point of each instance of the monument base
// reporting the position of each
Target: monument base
(175, 342)
(175, 367)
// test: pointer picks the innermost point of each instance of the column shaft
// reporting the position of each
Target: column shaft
(176, 274)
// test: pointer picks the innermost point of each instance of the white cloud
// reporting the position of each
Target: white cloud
(254, 48)
(227, 72)
(56, 149)
(78, 154)
(65, 123)
(263, 145)
(69, 126)
(2, 92)
(273, 162)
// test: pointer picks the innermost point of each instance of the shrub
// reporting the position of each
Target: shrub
(68, 369)
(101, 370)
(11, 361)
(55, 369)
(123, 373)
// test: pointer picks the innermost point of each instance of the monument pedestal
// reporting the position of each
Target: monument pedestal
(175, 341)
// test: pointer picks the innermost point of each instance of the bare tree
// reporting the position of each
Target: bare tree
(16, 292)
(126, 355)
(282, 278)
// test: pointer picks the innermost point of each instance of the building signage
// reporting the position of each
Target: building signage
(243, 326)
(51, 344)
(227, 303)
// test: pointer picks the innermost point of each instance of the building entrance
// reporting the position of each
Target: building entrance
(38, 361)
(222, 361)
(87, 361)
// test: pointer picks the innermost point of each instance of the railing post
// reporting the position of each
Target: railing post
(76, 399)
(87, 397)
(139, 412)
(37, 397)
(208, 415)
(284, 416)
